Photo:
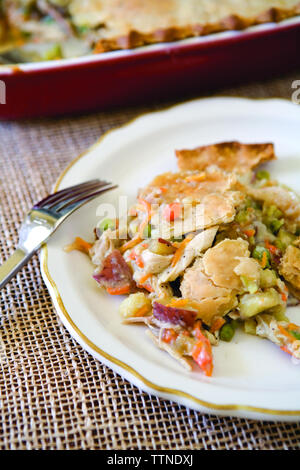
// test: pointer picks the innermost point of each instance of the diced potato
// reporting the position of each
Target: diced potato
(249, 284)
(268, 278)
(278, 312)
(252, 304)
(250, 326)
(135, 305)
(285, 238)
(161, 248)
(271, 212)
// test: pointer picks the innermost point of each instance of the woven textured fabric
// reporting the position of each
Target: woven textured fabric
(53, 394)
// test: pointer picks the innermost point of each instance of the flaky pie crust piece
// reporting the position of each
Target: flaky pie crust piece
(136, 38)
(229, 156)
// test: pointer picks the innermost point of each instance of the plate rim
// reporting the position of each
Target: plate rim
(180, 396)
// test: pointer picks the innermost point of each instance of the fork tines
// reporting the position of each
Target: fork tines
(77, 194)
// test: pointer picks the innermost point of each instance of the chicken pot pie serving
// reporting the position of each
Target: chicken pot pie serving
(204, 251)
(51, 29)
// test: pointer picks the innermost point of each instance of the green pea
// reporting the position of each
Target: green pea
(296, 334)
(272, 212)
(275, 225)
(263, 175)
(285, 238)
(227, 332)
(278, 243)
(82, 29)
(258, 252)
(55, 52)
(249, 202)
(106, 224)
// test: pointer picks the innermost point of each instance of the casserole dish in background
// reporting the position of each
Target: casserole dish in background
(160, 71)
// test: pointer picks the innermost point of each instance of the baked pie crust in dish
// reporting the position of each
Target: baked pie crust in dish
(66, 28)
(203, 251)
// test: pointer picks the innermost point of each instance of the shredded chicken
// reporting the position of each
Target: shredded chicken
(155, 263)
(102, 247)
(194, 248)
(277, 332)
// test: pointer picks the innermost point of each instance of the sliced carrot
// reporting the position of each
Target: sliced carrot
(284, 296)
(264, 260)
(148, 288)
(146, 206)
(272, 248)
(197, 329)
(178, 303)
(249, 233)
(132, 255)
(292, 326)
(139, 261)
(134, 241)
(180, 250)
(169, 335)
(286, 333)
(137, 258)
(217, 324)
(285, 349)
(142, 311)
(197, 177)
(145, 278)
(185, 333)
(80, 245)
(118, 290)
(202, 352)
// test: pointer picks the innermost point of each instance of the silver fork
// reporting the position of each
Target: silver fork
(44, 218)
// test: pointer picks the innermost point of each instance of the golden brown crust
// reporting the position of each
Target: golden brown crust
(229, 156)
(290, 266)
(134, 39)
(293, 291)
(170, 187)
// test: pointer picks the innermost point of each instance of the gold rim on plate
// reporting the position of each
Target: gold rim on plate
(109, 357)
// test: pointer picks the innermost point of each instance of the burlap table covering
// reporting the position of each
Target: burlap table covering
(53, 394)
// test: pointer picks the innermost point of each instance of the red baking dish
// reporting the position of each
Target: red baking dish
(142, 75)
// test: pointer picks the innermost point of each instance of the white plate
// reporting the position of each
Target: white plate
(252, 377)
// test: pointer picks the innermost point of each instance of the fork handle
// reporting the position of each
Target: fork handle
(11, 266)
